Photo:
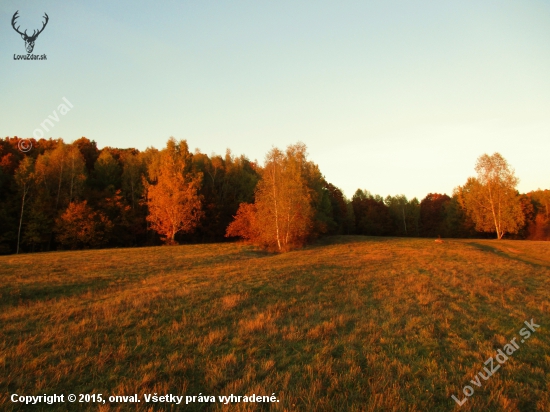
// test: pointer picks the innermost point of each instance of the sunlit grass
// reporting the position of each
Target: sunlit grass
(354, 323)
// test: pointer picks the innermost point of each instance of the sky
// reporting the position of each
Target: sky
(395, 97)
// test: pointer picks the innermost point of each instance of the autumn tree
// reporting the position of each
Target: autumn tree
(62, 173)
(76, 172)
(227, 182)
(282, 216)
(80, 226)
(172, 195)
(283, 199)
(239, 184)
(107, 172)
(10, 193)
(88, 149)
(133, 170)
(491, 199)
(133, 227)
(244, 225)
(126, 224)
(24, 176)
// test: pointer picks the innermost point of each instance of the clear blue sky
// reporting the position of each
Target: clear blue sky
(390, 96)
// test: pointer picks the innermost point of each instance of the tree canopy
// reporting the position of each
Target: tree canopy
(173, 194)
(491, 199)
(283, 212)
(67, 196)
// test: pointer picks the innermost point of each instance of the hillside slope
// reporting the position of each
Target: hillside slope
(352, 324)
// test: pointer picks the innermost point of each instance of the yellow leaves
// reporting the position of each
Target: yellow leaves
(491, 199)
(283, 201)
(282, 216)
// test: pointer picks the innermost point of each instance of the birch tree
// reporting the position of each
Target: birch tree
(491, 199)
(24, 177)
(282, 215)
(62, 173)
(132, 182)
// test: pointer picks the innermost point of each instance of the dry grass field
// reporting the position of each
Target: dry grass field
(349, 324)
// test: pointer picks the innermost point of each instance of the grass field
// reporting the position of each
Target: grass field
(349, 324)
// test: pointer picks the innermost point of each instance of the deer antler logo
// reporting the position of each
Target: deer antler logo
(29, 40)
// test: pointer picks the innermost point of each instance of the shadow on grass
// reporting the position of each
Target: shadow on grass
(13, 296)
(523, 259)
(347, 239)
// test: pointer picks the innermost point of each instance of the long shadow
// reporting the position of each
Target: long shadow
(346, 239)
(27, 294)
(531, 261)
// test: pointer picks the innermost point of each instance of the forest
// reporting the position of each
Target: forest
(60, 196)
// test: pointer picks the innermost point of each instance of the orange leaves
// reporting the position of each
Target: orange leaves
(81, 226)
(174, 203)
(244, 225)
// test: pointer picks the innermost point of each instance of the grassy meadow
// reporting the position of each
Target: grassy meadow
(348, 324)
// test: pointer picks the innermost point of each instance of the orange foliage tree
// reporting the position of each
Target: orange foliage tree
(281, 217)
(173, 200)
(80, 226)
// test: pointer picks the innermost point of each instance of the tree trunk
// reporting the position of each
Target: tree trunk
(59, 187)
(404, 221)
(492, 202)
(132, 186)
(173, 236)
(21, 218)
(72, 179)
(276, 212)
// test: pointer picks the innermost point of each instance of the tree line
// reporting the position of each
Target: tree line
(74, 196)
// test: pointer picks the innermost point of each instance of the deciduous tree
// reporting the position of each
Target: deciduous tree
(491, 199)
(244, 225)
(172, 197)
(24, 177)
(405, 214)
(133, 170)
(80, 226)
(107, 172)
(282, 215)
(539, 226)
